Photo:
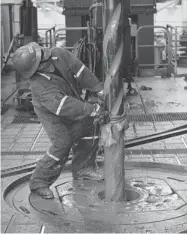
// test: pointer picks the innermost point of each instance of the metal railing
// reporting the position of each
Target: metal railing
(70, 29)
(50, 37)
(167, 46)
(172, 47)
(88, 29)
(175, 46)
(181, 43)
(52, 34)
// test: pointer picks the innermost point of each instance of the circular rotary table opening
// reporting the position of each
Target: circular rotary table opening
(130, 195)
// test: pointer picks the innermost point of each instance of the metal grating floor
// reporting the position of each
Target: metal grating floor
(26, 119)
(157, 117)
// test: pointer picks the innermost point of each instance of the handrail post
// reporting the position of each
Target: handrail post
(54, 38)
(176, 50)
(46, 38)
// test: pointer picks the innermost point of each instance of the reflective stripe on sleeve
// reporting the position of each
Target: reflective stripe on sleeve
(52, 156)
(61, 105)
(80, 71)
(90, 138)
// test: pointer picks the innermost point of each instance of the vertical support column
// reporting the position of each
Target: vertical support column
(34, 15)
(11, 22)
(16, 20)
(46, 39)
(54, 38)
(184, 16)
(50, 38)
(112, 133)
(176, 49)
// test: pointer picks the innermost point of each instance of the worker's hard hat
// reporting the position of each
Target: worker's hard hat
(26, 59)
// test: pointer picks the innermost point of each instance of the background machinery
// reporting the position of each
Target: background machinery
(84, 34)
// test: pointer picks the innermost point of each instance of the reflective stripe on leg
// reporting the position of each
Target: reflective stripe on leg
(52, 156)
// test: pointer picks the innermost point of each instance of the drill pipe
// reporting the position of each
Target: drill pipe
(113, 64)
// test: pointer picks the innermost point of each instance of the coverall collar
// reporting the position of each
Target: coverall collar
(46, 54)
(46, 66)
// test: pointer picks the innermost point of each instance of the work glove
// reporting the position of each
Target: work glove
(101, 96)
(98, 109)
(100, 115)
(96, 98)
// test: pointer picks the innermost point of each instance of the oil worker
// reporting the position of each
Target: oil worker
(56, 78)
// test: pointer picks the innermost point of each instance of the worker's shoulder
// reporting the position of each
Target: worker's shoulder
(59, 50)
(38, 79)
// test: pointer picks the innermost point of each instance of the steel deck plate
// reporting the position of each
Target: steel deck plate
(157, 202)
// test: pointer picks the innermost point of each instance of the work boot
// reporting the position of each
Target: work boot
(89, 174)
(45, 193)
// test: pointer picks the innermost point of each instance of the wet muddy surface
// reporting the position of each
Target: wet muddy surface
(153, 200)
(167, 95)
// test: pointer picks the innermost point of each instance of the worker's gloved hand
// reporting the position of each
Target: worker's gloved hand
(101, 96)
(103, 118)
(100, 114)
(98, 109)
(96, 98)
(93, 98)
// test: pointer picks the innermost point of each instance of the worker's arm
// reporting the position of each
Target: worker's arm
(62, 105)
(85, 77)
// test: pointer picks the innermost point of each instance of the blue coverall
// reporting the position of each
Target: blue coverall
(64, 116)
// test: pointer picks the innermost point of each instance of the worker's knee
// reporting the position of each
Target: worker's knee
(60, 148)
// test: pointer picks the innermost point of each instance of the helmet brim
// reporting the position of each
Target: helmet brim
(35, 66)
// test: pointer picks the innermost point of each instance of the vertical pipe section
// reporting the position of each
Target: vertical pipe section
(113, 57)
(176, 50)
(89, 46)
